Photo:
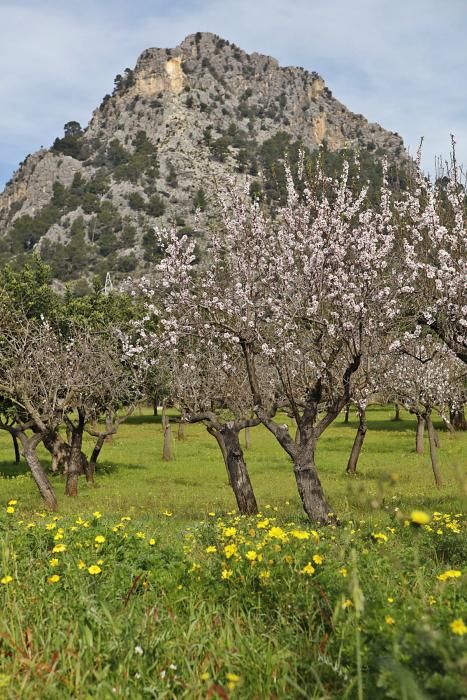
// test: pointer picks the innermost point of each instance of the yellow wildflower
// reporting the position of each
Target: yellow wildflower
(152, 541)
(99, 539)
(55, 578)
(379, 537)
(346, 604)
(277, 533)
(205, 676)
(140, 535)
(211, 549)
(232, 680)
(230, 531)
(51, 526)
(419, 517)
(458, 626)
(6, 580)
(226, 573)
(81, 564)
(389, 620)
(232, 677)
(265, 574)
(309, 569)
(450, 573)
(53, 562)
(300, 534)
(318, 559)
(59, 548)
(12, 502)
(97, 515)
(10, 510)
(230, 550)
(251, 555)
(343, 571)
(167, 513)
(94, 569)
(262, 524)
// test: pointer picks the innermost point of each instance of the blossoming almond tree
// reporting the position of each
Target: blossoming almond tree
(308, 291)
(426, 375)
(432, 225)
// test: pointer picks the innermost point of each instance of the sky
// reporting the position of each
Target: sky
(401, 63)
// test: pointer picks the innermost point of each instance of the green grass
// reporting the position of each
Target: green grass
(132, 478)
(181, 608)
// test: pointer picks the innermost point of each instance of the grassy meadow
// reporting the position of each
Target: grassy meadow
(149, 585)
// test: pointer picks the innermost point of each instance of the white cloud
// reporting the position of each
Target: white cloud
(402, 64)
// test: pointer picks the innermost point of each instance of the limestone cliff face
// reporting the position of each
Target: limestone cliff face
(205, 106)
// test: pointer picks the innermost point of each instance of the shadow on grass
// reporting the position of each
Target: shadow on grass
(143, 419)
(109, 469)
(11, 469)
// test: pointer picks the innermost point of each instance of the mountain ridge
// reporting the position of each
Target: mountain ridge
(205, 106)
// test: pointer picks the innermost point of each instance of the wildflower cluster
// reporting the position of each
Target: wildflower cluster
(327, 580)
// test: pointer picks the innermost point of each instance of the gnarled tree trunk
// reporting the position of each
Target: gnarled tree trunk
(94, 457)
(167, 454)
(358, 442)
(347, 413)
(16, 448)
(75, 465)
(309, 487)
(397, 414)
(238, 472)
(457, 418)
(29, 447)
(434, 460)
(420, 431)
(59, 450)
(164, 417)
(181, 431)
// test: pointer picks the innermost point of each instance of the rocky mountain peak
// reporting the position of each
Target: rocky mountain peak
(91, 201)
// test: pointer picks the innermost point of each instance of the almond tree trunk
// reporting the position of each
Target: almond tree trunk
(29, 446)
(75, 465)
(310, 489)
(238, 472)
(220, 441)
(59, 449)
(457, 418)
(164, 417)
(432, 442)
(16, 448)
(347, 413)
(91, 471)
(397, 415)
(420, 432)
(181, 430)
(358, 442)
(167, 454)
